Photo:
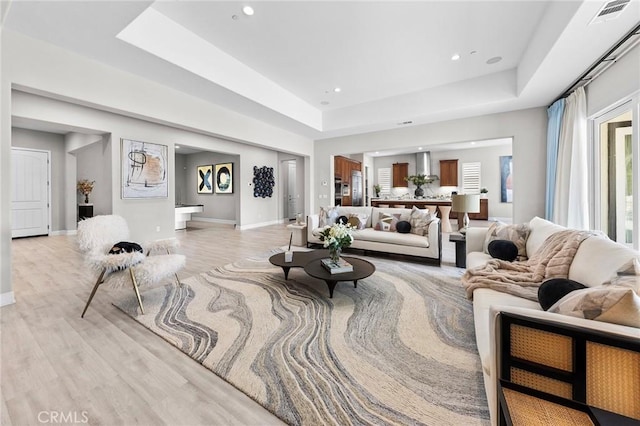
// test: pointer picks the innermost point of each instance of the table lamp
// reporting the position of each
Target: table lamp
(465, 203)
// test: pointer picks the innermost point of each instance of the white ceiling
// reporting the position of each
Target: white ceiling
(391, 59)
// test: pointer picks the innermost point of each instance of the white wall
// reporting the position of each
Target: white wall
(489, 158)
(619, 81)
(93, 162)
(54, 143)
(38, 67)
(528, 129)
(220, 207)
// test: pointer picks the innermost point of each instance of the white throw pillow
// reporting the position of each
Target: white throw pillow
(517, 234)
(328, 216)
(420, 220)
(612, 303)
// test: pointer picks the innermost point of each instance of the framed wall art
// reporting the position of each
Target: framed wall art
(263, 181)
(145, 171)
(506, 179)
(205, 179)
(224, 178)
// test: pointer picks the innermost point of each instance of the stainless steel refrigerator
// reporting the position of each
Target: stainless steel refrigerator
(356, 188)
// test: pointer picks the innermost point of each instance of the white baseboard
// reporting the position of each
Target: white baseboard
(7, 299)
(259, 225)
(64, 232)
(212, 220)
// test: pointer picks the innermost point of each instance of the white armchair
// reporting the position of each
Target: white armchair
(97, 235)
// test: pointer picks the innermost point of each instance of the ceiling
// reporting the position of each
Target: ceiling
(390, 59)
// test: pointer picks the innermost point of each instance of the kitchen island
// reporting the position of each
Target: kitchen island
(423, 203)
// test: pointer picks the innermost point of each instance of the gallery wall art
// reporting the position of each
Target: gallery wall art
(145, 171)
(224, 178)
(205, 179)
(263, 181)
(506, 176)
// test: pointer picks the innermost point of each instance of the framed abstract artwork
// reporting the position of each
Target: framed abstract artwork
(223, 178)
(506, 182)
(144, 168)
(205, 179)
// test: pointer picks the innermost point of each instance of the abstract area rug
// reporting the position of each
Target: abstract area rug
(399, 349)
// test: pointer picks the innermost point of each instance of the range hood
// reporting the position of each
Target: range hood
(423, 164)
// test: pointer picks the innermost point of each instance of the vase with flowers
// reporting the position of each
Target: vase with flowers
(85, 187)
(335, 238)
(419, 180)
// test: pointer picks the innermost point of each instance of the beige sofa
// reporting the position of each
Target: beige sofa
(597, 261)
(428, 246)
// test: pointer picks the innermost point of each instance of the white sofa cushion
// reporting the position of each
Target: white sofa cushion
(598, 260)
(477, 258)
(370, 234)
(483, 299)
(540, 230)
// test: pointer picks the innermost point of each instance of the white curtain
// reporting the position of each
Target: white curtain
(571, 200)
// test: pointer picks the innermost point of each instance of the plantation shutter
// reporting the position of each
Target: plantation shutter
(471, 178)
(384, 180)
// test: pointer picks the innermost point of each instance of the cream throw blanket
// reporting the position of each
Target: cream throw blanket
(552, 260)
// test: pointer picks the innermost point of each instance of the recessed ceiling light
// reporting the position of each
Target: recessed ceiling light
(455, 57)
(419, 148)
(377, 152)
(247, 10)
(337, 90)
(473, 143)
(494, 60)
(177, 147)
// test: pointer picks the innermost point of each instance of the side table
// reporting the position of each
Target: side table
(85, 211)
(461, 249)
(299, 234)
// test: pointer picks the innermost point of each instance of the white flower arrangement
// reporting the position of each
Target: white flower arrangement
(337, 236)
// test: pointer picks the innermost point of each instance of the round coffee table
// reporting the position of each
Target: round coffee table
(361, 269)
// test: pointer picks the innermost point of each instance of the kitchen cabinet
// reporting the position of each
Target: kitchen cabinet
(400, 171)
(448, 172)
(343, 166)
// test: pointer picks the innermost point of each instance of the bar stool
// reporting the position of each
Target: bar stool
(444, 218)
(399, 206)
(432, 209)
(384, 206)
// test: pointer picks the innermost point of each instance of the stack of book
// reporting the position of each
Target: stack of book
(338, 267)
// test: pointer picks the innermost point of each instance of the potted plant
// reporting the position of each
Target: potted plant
(376, 189)
(483, 192)
(419, 180)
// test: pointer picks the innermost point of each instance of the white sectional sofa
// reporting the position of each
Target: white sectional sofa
(597, 261)
(428, 246)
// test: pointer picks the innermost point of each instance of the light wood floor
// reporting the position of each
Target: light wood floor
(106, 367)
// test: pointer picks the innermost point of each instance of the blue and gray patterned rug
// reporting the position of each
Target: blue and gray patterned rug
(399, 349)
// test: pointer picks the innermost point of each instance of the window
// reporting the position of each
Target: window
(471, 178)
(384, 180)
(616, 184)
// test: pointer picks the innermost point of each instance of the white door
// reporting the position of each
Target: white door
(30, 192)
(291, 190)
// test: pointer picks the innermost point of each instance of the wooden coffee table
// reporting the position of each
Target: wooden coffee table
(300, 259)
(361, 269)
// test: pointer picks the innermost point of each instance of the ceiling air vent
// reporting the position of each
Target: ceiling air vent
(611, 10)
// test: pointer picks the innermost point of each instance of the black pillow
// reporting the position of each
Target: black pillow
(503, 250)
(125, 247)
(343, 220)
(403, 227)
(555, 289)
